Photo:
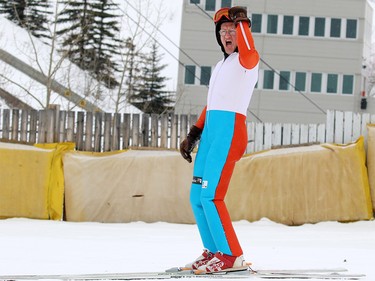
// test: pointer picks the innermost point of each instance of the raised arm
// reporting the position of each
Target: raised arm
(249, 56)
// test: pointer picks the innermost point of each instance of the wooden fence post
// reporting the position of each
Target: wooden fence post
(154, 130)
(174, 130)
(24, 123)
(33, 125)
(70, 134)
(50, 125)
(15, 124)
(164, 131)
(145, 130)
(330, 126)
(126, 131)
(116, 131)
(61, 129)
(107, 131)
(183, 127)
(80, 132)
(42, 126)
(89, 129)
(6, 121)
(98, 131)
(135, 130)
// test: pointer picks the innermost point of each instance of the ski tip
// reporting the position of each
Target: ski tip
(178, 269)
(172, 269)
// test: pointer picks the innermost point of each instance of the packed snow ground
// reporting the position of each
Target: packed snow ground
(55, 247)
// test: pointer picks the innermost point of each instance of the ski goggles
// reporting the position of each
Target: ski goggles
(223, 12)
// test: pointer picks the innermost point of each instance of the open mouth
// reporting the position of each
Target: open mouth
(228, 43)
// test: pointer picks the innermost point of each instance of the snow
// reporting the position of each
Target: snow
(57, 247)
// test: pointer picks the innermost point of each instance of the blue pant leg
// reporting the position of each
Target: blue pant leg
(195, 196)
(221, 140)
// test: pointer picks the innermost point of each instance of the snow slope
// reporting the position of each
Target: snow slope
(55, 247)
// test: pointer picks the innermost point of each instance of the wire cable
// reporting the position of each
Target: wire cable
(294, 87)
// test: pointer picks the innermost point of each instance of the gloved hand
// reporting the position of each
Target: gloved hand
(188, 144)
(238, 14)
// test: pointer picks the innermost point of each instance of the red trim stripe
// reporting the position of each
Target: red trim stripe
(237, 149)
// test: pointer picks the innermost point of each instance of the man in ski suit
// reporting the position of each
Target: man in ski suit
(221, 129)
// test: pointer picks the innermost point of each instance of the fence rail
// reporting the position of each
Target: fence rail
(107, 131)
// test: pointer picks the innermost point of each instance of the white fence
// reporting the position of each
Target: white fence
(341, 127)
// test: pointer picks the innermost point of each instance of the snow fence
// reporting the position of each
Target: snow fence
(32, 180)
(299, 185)
(371, 160)
(290, 185)
(127, 186)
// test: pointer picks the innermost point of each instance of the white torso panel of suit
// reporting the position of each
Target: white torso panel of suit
(231, 85)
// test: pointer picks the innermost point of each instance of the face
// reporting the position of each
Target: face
(228, 37)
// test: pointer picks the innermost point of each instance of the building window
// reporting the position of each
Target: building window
(256, 23)
(316, 82)
(190, 74)
(195, 1)
(303, 28)
(268, 79)
(284, 80)
(332, 80)
(288, 25)
(210, 5)
(320, 26)
(300, 81)
(347, 84)
(226, 3)
(335, 28)
(272, 24)
(205, 75)
(351, 29)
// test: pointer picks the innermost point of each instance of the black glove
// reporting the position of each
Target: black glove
(238, 14)
(187, 146)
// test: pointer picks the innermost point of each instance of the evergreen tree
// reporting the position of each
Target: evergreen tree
(76, 20)
(105, 41)
(30, 14)
(90, 31)
(36, 19)
(14, 10)
(150, 96)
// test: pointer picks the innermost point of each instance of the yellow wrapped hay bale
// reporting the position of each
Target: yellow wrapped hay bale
(127, 186)
(302, 185)
(31, 181)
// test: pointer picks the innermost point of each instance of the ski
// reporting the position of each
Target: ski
(320, 274)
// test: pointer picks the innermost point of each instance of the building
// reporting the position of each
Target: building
(313, 57)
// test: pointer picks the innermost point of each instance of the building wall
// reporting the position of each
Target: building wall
(292, 53)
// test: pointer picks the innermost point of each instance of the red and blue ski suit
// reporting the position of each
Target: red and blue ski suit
(223, 142)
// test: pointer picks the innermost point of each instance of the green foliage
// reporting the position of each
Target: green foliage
(90, 33)
(149, 94)
(31, 14)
